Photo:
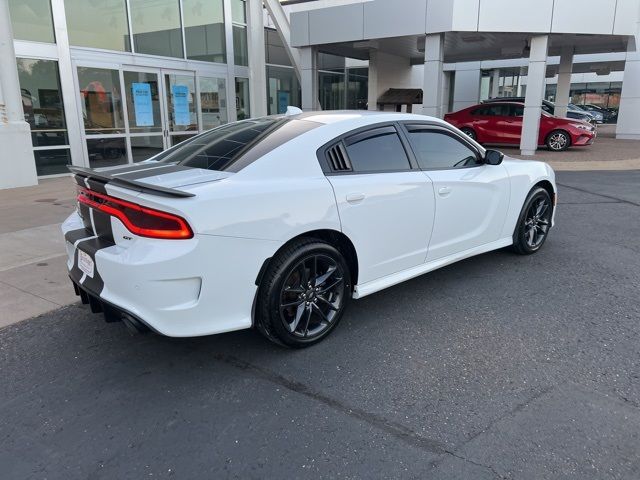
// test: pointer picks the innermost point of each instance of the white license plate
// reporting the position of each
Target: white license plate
(85, 263)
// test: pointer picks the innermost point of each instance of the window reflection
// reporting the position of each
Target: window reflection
(156, 27)
(242, 98)
(113, 33)
(32, 20)
(213, 102)
(101, 100)
(204, 30)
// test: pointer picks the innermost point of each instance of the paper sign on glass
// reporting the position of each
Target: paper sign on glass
(180, 94)
(142, 104)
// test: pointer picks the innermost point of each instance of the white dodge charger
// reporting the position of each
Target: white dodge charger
(277, 222)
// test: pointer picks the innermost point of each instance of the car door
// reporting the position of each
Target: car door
(512, 125)
(484, 124)
(472, 197)
(386, 207)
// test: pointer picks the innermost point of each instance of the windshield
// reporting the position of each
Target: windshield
(231, 147)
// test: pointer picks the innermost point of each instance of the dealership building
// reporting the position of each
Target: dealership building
(97, 84)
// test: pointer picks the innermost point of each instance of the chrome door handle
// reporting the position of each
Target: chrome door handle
(355, 197)
(444, 191)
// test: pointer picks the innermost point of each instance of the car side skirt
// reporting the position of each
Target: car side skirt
(381, 283)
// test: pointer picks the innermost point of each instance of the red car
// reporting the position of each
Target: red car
(501, 123)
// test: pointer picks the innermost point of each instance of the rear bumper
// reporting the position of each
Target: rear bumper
(179, 288)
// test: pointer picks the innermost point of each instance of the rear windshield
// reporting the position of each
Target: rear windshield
(231, 147)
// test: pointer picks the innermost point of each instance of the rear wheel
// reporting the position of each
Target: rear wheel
(303, 294)
(558, 140)
(469, 133)
(534, 222)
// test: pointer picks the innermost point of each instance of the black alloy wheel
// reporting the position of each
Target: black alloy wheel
(534, 224)
(304, 293)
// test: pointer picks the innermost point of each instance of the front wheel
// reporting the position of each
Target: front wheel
(303, 294)
(534, 222)
(558, 140)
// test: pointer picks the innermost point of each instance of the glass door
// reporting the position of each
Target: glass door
(180, 105)
(145, 113)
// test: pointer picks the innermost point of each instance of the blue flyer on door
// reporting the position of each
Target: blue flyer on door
(142, 104)
(180, 94)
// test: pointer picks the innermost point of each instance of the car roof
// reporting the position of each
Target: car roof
(328, 117)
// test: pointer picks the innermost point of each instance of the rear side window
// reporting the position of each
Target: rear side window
(232, 147)
(516, 110)
(437, 150)
(378, 150)
(492, 110)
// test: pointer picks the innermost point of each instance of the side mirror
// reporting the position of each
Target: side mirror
(493, 157)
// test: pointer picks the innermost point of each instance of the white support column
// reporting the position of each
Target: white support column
(466, 89)
(564, 82)
(629, 113)
(535, 93)
(232, 114)
(495, 83)
(433, 82)
(309, 78)
(257, 72)
(17, 165)
(372, 94)
(67, 84)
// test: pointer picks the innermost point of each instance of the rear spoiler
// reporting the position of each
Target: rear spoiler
(130, 184)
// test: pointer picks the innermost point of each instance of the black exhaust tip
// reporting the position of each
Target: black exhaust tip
(134, 325)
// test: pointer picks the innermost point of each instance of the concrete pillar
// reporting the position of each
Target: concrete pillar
(535, 93)
(232, 115)
(433, 81)
(309, 78)
(17, 165)
(629, 113)
(372, 94)
(466, 88)
(495, 83)
(564, 82)
(257, 71)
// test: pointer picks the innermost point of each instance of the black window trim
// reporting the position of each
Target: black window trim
(361, 134)
(439, 128)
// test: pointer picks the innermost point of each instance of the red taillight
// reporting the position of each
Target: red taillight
(143, 221)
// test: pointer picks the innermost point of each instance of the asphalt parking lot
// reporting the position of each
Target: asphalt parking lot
(500, 366)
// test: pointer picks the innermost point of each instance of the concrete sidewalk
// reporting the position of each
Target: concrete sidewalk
(33, 274)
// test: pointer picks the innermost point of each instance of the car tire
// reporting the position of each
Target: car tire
(534, 222)
(469, 133)
(303, 293)
(558, 141)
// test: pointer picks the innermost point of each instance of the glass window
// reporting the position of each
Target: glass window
(52, 162)
(275, 52)
(42, 101)
(516, 110)
(240, 49)
(357, 88)
(143, 148)
(378, 150)
(107, 152)
(239, 11)
(143, 102)
(113, 33)
(283, 89)
(213, 102)
(31, 20)
(440, 150)
(233, 146)
(492, 110)
(181, 103)
(156, 27)
(242, 98)
(101, 100)
(331, 88)
(204, 30)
